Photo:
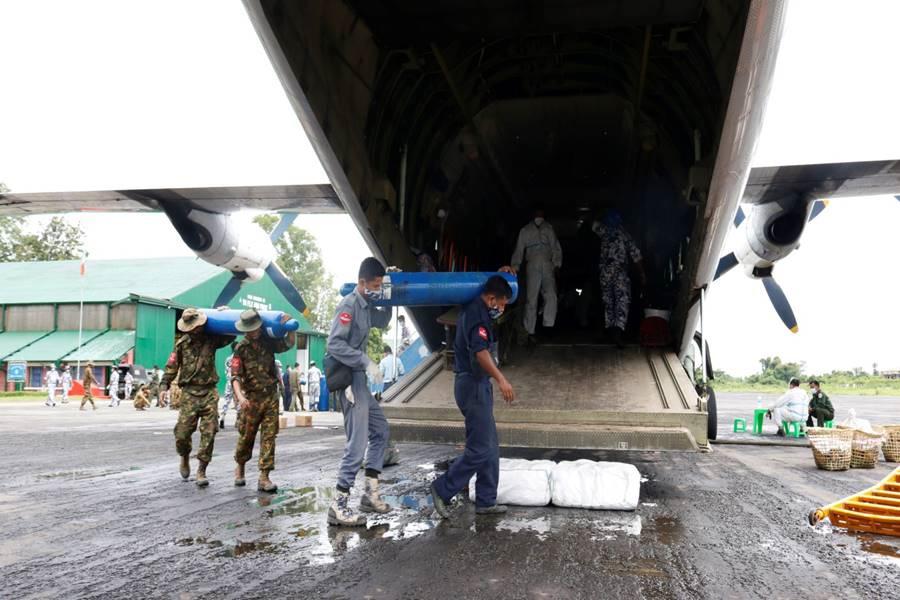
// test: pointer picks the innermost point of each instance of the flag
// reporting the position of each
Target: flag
(82, 268)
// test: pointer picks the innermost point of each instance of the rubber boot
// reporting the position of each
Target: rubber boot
(202, 481)
(340, 513)
(371, 500)
(239, 480)
(265, 484)
(184, 468)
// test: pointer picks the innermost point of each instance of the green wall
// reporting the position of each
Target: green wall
(155, 337)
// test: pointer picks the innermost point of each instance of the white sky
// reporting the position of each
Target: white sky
(105, 94)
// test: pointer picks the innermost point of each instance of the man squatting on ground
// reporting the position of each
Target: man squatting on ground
(254, 378)
(364, 422)
(475, 366)
(194, 363)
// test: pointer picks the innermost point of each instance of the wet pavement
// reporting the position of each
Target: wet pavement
(93, 507)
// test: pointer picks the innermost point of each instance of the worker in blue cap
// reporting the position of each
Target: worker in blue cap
(617, 252)
(475, 366)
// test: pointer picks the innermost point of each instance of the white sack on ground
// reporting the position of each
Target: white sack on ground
(522, 482)
(597, 485)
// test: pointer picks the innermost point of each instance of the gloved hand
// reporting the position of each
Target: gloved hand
(393, 269)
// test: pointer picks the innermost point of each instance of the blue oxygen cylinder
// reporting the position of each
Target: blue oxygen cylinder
(222, 322)
(433, 289)
(323, 395)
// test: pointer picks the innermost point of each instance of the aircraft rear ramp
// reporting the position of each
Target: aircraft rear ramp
(577, 396)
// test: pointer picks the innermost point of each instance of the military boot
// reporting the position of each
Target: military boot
(371, 500)
(265, 484)
(340, 513)
(184, 468)
(202, 481)
(239, 480)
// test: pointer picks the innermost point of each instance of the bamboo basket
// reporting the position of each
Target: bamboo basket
(865, 448)
(832, 448)
(891, 446)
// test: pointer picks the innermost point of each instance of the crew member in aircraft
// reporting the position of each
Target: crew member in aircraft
(475, 366)
(192, 366)
(254, 377)
(617, 253)
(364, 423)
(538, 247)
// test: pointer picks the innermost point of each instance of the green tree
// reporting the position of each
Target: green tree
(376, 343)
(300, 258)
(54, 240)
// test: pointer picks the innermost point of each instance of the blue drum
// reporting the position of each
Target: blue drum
(222, 322)
(434, 289)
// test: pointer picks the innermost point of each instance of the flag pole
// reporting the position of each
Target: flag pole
(80, 315)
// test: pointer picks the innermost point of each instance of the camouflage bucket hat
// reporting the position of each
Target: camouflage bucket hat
(191, 319)
(249, 321)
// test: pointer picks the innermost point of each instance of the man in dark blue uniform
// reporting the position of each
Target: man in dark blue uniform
(474, 367)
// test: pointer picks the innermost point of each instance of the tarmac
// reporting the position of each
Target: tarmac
(93, 507)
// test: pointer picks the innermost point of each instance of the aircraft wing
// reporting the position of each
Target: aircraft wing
(316, 198)
(823, 181)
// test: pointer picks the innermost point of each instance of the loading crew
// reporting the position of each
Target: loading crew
(312, 377)
(820, 406)
(364, 422)
(538, 246)
(194, 363)
(617, 249)
(254, 376)
(790, 407)
(475, 366)
(66, 380)
(86, 382)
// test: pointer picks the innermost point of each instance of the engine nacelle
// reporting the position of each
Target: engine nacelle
(769, 233)
(220, 240)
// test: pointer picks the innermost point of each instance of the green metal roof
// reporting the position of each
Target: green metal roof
(11, 341)
(53, 347)
(107, 347)
(104, 280)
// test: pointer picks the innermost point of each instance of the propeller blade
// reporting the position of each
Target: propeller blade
(739, 216)
(287, 288)
(726, 263)
(781, 304)
(286, 220)
(229, 291)
(817, 209)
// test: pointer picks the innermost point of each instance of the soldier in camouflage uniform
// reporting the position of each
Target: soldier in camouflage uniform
(87, 381)
(153, 388)
(194, 363)
(617, 250)
(254, 378)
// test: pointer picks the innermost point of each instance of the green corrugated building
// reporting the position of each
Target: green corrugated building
(129, 313)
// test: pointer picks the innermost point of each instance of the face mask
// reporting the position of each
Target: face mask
(374, 294)
(538, 221)
(495, 312)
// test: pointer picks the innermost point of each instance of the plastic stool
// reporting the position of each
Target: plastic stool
(792, 429)
(829, 424)
(759, 416)
(740, 425)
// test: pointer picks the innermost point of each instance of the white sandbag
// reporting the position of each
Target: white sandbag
(597, 485)
(853, 422)
(521, 482)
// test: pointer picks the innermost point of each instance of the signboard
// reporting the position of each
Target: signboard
(15, 371)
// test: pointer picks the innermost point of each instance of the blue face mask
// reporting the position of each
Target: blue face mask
(374, 295)
(495, 312)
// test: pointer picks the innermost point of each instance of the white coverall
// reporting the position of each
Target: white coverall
(312, 379)
(66, 386)
(129, 385)
(113, 387)
(52, 384)
(792, 406)
(538, 246)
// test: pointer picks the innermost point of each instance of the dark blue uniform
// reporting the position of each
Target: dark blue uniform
(475, 399)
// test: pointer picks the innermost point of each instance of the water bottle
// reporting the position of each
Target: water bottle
(759, 402)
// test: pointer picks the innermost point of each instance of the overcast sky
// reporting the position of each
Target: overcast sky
(106, 94)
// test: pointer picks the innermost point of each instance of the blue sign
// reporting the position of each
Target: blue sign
(15, 371)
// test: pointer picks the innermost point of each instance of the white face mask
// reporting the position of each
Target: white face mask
(538, 221)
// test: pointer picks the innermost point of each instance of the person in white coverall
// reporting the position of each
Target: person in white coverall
(538, 247)
(52, 384)
(791, 407)
(66, 382)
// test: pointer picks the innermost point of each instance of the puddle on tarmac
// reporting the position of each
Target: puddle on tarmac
(232, 548)
(884, 548)
(84, 474)
(668, 529)
(297, 501)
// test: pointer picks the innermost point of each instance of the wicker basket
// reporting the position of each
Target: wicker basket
(865, 448)
(832, 448)
(891, 446)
